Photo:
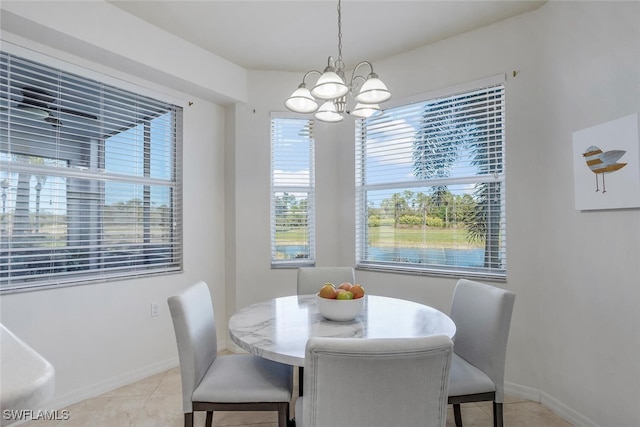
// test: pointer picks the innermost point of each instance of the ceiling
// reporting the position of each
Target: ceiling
(300, 35)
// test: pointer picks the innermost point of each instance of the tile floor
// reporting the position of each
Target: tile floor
(156, 401)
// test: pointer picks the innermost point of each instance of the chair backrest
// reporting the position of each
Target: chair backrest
(311, 279)
(482, 314)
(376, 382)
(195, 328)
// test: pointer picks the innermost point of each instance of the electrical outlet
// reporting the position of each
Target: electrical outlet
(155, 309)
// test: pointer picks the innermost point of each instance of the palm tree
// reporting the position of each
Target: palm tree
(22, 214)
(423, 202)
(445, 131)
(437, 143)
(483, 223)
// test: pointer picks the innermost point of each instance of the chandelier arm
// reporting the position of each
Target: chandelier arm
(309, 73)
(354, 76)
(331, 64)
(359, 65)
(354, 85)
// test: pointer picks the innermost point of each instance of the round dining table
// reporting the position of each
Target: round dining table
(28, 379)
(278, 329)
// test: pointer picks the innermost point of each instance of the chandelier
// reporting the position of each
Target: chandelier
(332, 89)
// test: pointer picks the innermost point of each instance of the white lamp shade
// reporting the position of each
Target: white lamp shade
(365, 110)
(329, 86)
(327, 113)
(301, 101)
(373, 92)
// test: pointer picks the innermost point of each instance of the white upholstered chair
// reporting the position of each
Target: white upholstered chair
(354, 382)
(238, 382)
(482, 314)
(311, 279)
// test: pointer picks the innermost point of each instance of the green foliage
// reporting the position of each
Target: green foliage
(291, 212)
(410, 220)
(434, 221)
(436, 208)
(376, 221)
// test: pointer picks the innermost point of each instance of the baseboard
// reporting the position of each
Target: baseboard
(559, 408)
(566, 412)
(110, 384)
(113, 383)
(522, 392)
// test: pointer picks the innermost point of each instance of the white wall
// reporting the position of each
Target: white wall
(255, 280)
(101, 336)
(589, 283)
(574, 343)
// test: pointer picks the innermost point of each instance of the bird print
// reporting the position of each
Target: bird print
(603, 162)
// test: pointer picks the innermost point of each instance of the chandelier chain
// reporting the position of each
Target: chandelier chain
(339, 64)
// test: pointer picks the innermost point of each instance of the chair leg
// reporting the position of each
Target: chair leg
(188, 419)
(457, 414)
(300, 380)
(497, 414)
(209, 421)
(283, 415)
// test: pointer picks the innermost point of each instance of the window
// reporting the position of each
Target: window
(430, 185)
(90, 180)
(292, 193)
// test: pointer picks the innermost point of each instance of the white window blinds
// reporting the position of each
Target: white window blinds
(430, 186)
(292, 192)
(90, 178)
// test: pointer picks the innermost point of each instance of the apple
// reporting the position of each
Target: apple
(328, 291)
(357, 291)
(346, 286)
(344, 295)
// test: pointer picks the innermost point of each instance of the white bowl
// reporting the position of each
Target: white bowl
(340, 310)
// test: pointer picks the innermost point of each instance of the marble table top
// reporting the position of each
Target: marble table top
(27, 378)
(278, 329)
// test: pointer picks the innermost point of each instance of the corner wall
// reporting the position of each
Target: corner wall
(574, 332)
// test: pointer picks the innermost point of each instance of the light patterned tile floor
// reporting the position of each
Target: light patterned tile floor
(156, 401)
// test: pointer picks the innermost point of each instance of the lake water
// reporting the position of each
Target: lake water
(432, 256)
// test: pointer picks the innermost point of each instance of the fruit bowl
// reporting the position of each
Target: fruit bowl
(339, 310)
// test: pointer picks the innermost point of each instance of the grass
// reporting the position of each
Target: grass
(389, 236)
(296, 236)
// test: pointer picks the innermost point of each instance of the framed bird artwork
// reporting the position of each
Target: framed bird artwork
(606, 163)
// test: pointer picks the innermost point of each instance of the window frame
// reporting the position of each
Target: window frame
(362, 220)
(86, 183)
(304, 259)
